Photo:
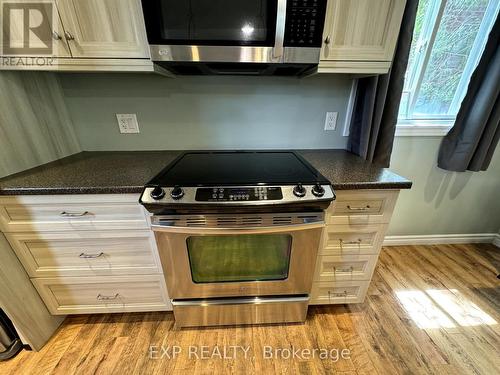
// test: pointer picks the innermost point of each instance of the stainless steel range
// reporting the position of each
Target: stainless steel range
(238, 234)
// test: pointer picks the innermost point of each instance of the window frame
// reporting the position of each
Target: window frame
(439, 125)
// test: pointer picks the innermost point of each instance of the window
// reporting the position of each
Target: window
(448, 41)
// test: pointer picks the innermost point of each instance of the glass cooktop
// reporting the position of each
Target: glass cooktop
(238, 168)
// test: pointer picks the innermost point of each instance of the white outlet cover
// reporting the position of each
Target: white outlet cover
(127, 123)
(331, 120)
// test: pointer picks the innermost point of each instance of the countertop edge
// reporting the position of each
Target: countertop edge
(138, 189)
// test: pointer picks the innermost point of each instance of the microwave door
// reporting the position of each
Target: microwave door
(226, 31)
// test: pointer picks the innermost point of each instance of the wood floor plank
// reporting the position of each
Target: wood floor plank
(112, 358)
(76, 354)
(360, 357)
(387, 334)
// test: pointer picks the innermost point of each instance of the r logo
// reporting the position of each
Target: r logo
(27, 28)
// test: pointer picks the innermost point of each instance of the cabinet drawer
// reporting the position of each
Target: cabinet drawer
(362, 207)
(86, 253)
(82, 295)
(352, 239)
(345, 268)
(71, 212)
(338, 292)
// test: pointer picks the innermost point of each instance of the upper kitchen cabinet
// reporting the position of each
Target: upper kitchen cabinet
(360, 35)
(104, 28)
(86, 36)
(49, 36)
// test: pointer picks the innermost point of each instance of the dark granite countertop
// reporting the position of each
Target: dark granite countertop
(111, 172)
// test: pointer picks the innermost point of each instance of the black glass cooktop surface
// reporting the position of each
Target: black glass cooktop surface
(238, 168)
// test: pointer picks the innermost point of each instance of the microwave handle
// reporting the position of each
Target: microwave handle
(280, 30)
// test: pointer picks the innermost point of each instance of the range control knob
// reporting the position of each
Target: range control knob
(318, 190)
(299, 191)
(177, 192)
(157, 193)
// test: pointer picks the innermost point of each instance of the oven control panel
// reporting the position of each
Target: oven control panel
(236, 195)
(229, 194)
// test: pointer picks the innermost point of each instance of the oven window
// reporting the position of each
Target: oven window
(217, 22)
(215, 259)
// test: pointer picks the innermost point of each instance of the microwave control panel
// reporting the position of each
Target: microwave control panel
(304, 23)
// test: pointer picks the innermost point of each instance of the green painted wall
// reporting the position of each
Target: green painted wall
(35, 127)
(442, 202)
(206, 112)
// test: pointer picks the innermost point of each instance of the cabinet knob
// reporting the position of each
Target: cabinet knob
(56, 35)
(69, 36)
(327, 40)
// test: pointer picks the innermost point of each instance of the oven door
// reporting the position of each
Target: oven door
(216, 30)
(250, 255)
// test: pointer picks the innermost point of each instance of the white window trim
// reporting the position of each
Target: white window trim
(423, 128)
(441, 127)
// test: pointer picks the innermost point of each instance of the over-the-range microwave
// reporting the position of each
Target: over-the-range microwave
(251, 37)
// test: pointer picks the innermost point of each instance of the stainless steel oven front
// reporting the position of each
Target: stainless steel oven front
(244, 255)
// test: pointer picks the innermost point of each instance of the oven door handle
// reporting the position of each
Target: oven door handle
(237, 230)
(279, 38)
(240, 301)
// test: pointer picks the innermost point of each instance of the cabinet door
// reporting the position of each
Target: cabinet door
(58, 47)
(104, 28)
(61, 46)
(361, 30)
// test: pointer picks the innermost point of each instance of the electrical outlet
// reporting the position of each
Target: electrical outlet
(331, 120)
(127, 123)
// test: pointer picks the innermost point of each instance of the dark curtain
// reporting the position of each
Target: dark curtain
(376, 106)
(471, 142)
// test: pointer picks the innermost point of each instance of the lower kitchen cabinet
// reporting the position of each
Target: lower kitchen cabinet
(352, 239)
(86, 253)
(50, 213)
(356, 224)
(345, 268)
(338, 292)
(104, 294)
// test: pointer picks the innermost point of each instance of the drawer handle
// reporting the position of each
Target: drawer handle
(357, 242)
(74, 214)
(342, 243)
(90, 256)
(350, 269)
(366, 208)
(101, 297)
(330, 294)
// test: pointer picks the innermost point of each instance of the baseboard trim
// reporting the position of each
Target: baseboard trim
(436, 239)
(496, 240)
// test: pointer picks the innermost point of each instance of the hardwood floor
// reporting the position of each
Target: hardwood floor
(430, 309)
